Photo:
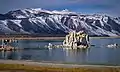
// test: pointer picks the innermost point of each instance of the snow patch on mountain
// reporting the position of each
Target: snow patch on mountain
(40, 21)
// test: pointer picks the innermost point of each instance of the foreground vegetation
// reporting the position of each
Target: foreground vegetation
(29, 68)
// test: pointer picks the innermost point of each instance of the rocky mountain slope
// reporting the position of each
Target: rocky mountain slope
(39, 21)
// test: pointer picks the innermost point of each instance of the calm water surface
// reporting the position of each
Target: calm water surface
(99, 54)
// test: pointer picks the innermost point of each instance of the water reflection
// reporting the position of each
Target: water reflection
(61, 55)
(10, 55)
(99, 54)
(76, 55)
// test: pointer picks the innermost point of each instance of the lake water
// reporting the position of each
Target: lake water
(98, 54)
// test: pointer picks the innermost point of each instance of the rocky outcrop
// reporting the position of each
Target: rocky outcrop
(76, 39)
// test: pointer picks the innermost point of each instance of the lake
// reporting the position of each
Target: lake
(35, 51)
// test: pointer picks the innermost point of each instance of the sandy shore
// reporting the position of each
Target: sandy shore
(30, 66)
(29, 62)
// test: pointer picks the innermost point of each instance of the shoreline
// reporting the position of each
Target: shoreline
(33, 38)
(48, 38)
(30, 66)
(49, 64)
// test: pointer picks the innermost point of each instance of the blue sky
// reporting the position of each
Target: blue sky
(111, 7)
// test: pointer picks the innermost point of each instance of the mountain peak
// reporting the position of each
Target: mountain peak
(38, 10)
(39, 21)
(65, 10)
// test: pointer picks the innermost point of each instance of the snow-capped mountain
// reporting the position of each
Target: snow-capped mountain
(39, 21)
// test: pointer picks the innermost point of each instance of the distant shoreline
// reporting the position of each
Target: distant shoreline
(34, 38)
(48, 38)
(106, 37)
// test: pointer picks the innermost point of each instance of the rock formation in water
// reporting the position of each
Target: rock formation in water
(76, 39)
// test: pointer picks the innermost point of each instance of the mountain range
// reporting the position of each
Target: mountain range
(40, 21)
